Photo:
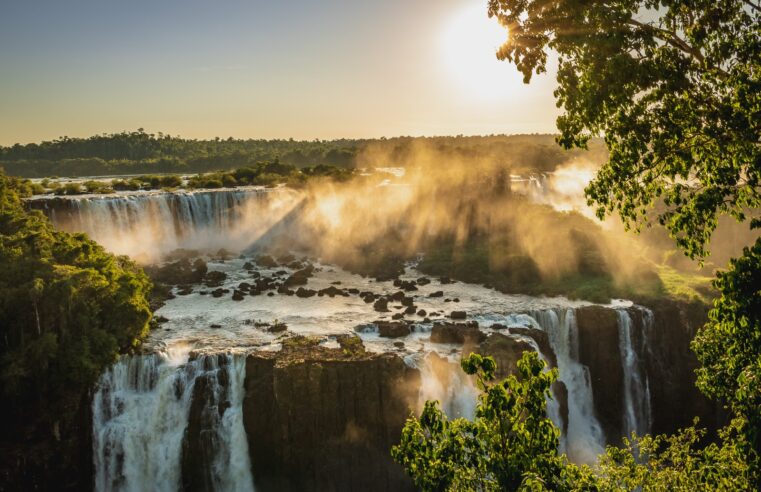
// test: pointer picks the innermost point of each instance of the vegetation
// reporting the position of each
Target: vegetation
(677, 99)
(512, 445)
(67, 309)
(139, 152)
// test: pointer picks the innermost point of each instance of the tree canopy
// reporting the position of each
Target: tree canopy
(67, 309)
(673, 86)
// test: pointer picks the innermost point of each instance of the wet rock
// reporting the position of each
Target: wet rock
(458, 315)
(248, 266)
(214, 325)
(460, 333)
(498, 326)
(438, 293)
(160, 319)
(599, 351)
(215, 278)
(398, 316)
(423, 281)
(422, 312)
(300, 277)
(399, 344)
(266, 261)
(410, 310)
(391, 329)
(324, 419)
(304, 293)
(237, 295)
(277, 327)
(381, 305)
(445, 280)
(218, 292)
(332, 291)
(542, 341)
(408, 301)
(185, 291)
(506, 351)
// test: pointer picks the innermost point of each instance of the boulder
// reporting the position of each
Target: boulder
(460, 333)
(458, 315)
(381, 305)
(391, 329)
(266, 261)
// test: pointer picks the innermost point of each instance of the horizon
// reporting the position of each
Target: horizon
(257, 70)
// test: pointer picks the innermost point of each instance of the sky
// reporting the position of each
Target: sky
(300, 69)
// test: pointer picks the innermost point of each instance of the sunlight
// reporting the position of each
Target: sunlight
(469, 41)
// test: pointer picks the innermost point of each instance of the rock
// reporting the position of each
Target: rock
(542, 341)
(215, 278)
(438, 293)
(445, 280)
(498, 326)
(324, 419)
(599, 351)
(408, 301)
(397, 316)
(160, 319)
(277, 327)
(458, 315)
(302, 292)
(266, 261)
(460, 333)
(214, 325)
(422, 312)
(237, 295)
(381, 305)
(332, 291)
(506, 351)
(217, 292)
(410, 310)
(390, 329)
(300, 277)
(423, 281)
(399, 344)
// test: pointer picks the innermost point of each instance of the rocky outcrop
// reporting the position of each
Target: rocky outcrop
(461, 333)
(325, 419)
(599, 351)
(209, 401)
(664, 346)
(662, 343)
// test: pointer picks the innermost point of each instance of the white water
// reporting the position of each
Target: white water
(149, 225)
(585, 439)
(140, 413)
(637, 416)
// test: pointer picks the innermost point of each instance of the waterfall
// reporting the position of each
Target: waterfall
(149, 225)
(585, 439)
(636, 387)
(141, 420)
(447, 383)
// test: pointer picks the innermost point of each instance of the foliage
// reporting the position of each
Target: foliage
(674, 88)
(138, 152)
(510, 444)
(67, 308)
(678, 462)
(729, 345)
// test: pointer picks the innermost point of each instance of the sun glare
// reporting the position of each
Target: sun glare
(470, 40)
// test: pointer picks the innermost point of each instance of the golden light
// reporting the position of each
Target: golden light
(469, 42)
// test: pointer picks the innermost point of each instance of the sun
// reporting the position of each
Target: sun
(469, 42)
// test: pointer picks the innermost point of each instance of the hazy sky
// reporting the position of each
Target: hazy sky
(270, 69)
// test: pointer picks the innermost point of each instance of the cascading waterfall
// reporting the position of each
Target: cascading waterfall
(585, 439)
(637, 415)
(147, 225)
(445, 382)
(140, 417)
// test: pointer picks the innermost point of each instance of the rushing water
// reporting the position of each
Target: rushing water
(143, 404)
(140, 417)
(636, 390)
(149, 224)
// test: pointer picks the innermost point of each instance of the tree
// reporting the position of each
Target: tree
(674, 87)
(510, 444)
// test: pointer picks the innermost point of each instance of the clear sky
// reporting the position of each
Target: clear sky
(264, 69)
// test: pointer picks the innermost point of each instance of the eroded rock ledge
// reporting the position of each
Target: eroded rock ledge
(320, 418)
